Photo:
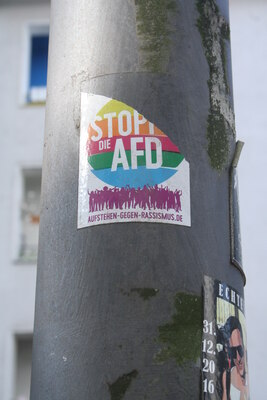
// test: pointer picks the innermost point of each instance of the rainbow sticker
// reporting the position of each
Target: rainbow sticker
(129, 169)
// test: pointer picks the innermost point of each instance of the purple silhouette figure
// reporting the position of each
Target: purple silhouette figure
(126, 198)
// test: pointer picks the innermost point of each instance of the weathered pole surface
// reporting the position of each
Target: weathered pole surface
(119, 306)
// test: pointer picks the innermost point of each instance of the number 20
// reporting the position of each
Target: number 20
(209, 366)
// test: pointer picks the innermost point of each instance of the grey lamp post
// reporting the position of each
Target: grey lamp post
(119, 306)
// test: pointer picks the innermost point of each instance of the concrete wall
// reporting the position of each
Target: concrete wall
(249, 55)
(21, 143)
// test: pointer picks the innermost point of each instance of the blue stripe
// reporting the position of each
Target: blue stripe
(137, 178)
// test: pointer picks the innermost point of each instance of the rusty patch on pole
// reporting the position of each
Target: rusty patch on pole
(214, 31)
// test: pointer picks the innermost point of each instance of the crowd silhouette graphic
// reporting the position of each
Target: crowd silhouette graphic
(147, 198)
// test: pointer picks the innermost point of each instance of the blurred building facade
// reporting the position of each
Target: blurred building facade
(249, 59)
(24, 28)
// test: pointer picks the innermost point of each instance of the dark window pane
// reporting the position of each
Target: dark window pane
(23, 373)
(39, 57)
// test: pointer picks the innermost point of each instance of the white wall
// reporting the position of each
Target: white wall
(249, 57)
(21, 143)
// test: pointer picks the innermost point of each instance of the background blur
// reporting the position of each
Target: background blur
(24, 28)
(249, 62)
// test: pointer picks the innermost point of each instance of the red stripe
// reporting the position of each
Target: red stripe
(98, 147)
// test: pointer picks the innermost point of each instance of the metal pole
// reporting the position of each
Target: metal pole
(119, 306)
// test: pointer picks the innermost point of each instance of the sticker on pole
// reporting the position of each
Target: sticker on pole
(224, 343)
(130, 171)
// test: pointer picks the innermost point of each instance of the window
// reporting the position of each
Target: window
(23, 367)
(38, 68)
(38, 38)
(30, 214)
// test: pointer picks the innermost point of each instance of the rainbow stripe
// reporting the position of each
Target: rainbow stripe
(101, 152)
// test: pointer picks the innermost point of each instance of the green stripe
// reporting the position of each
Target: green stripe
(171, 159)
(104, 161)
